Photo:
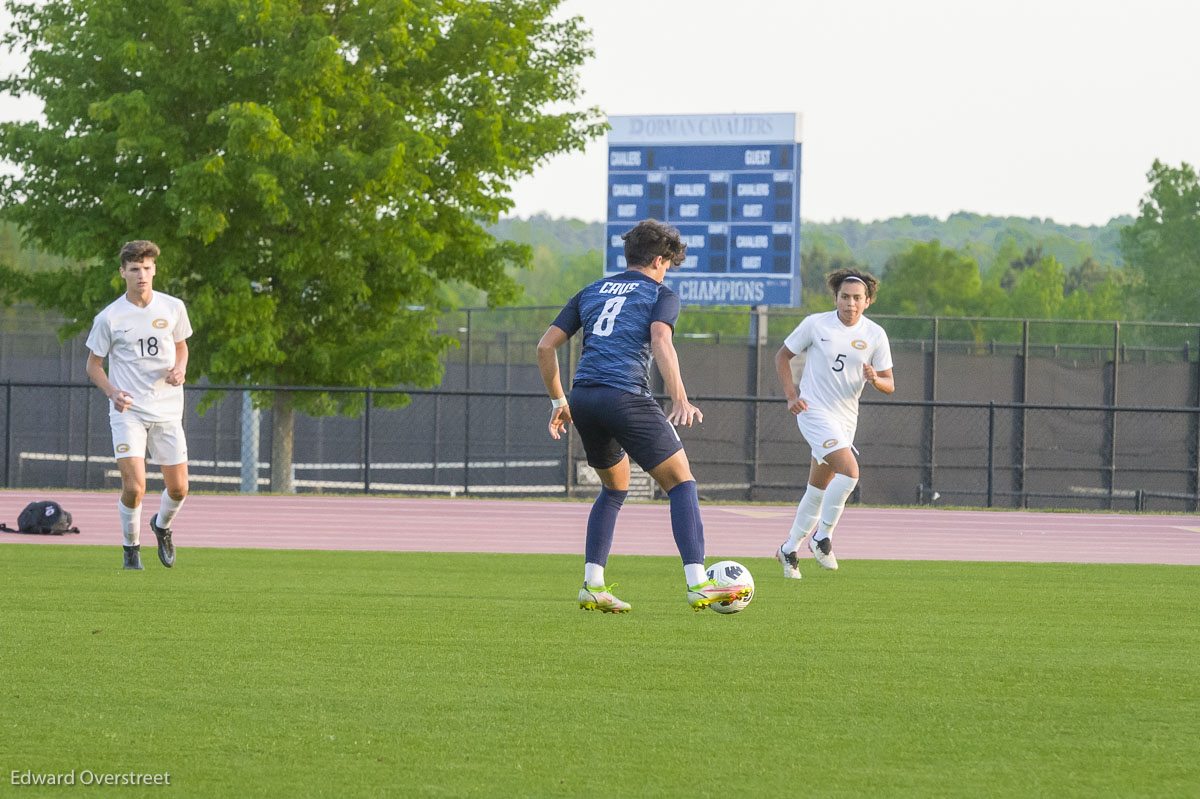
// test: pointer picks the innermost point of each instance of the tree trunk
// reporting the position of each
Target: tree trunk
(282, 423)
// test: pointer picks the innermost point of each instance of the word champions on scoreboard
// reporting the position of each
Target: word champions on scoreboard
(730, 183)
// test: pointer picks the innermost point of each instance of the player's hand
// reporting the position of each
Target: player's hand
(175, 376)
(797, 406)
(683, 412)
(559, 419)
(869, 373)
(120, 399)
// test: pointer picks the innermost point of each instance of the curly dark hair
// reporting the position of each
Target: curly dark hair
(836, 279)
(138, 251)
(650, 239)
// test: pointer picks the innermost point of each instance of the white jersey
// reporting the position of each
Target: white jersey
(140, 346)
(833, 370)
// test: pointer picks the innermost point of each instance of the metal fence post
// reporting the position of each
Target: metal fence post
(1196, 436)
(1022, 417)
(87, 438)
(437, 435)
(467, 415)
(991, 450)
(507, 388)
(1112, 415)
(930, 434)
(367, 444)
(8, 433)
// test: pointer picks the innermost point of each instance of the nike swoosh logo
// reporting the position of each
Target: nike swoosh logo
(824, 339)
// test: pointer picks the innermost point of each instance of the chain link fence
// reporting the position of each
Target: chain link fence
(989, 413)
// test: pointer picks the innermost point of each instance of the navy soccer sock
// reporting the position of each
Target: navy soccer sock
(685, 522)
(601, 523)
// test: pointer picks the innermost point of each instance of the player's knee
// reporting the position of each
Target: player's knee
(177, 493)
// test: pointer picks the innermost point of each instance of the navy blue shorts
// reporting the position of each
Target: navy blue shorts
(612, 422)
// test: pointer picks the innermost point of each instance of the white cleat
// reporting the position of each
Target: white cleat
(823, 551)
(601, 598)
(790, 561)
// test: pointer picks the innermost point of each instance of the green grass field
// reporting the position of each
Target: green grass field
(252, 672)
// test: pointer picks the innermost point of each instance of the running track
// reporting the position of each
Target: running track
(469, 525)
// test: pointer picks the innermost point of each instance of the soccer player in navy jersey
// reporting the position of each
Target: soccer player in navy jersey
(625, 319)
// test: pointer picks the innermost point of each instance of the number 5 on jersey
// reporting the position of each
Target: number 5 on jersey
(608, 317)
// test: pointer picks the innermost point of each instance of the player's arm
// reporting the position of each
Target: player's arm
(661, 343)
(882, 381)
(95, 371)
(783, 366)
(547, 357)
(178, 373)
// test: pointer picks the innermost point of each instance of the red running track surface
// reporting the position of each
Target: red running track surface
(470, 525)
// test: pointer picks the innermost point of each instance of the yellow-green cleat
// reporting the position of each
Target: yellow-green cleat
(709, 591)
(601, 598)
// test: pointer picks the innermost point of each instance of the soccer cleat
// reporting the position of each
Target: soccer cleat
(133, 557)
(823, 551)
(166, 548)
(790, 561)
(601, 598)
(709, 591)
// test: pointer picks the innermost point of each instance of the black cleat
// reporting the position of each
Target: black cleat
(133, 557)
(166, 549)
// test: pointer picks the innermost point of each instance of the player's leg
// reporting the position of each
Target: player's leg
(129, 508)
(841, 485)
(590, 409)
(808, 511)
(167, 444)
(648, 441)
(602, 520)
(129, 445)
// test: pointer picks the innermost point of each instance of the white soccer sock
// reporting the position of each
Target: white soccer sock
(694, 573)
(131, 523)
(593, 575)
(167, 509)
(806, 516)
(836, 493)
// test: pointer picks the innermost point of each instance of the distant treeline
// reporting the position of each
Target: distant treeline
(966, 265)
(872, 243)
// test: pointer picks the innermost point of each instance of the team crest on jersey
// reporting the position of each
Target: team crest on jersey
(858, 344)
(161, 324)
(122, 448)
(830, 442)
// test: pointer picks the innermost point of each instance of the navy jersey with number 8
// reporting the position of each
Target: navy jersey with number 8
(615, 315)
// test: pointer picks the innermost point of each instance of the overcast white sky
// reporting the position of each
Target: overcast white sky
(1049, 108)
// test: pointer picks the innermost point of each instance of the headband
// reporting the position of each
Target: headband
(852, 277)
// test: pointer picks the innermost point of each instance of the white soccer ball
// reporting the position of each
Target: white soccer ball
(730, 572)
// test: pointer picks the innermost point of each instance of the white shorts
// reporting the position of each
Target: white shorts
(825, 433)
(131, 436)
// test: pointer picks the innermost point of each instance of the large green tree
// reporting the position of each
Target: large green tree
(1163, 245)
(929, 280)
(313, 171)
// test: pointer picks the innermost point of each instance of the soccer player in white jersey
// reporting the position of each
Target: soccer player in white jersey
(846, 352)
(143, 333)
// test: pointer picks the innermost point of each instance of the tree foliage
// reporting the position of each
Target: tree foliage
(929, 280)
(314, 172)
(1163, 245)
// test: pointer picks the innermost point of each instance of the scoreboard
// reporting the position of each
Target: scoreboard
(730, 183)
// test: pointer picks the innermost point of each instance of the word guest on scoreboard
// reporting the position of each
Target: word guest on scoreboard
(730, 183)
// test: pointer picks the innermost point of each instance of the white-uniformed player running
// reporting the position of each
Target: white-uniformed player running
(846, 351)
(144, 336)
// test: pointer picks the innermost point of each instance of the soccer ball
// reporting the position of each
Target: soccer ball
(730, 572)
